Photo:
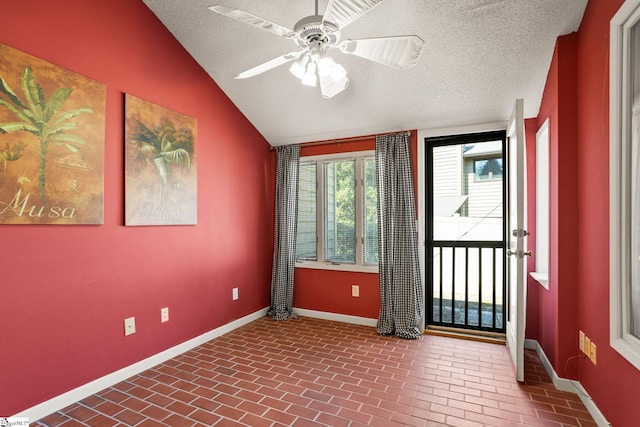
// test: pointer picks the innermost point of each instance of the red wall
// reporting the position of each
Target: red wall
(533, 287)
(555, 324)
(613, 379)
(65, 290)
(576, 99)
(328, 290)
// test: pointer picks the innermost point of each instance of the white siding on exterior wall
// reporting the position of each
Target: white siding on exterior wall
(447, 174)
(306, 235)
(485, 196)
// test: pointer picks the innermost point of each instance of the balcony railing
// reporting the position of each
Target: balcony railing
(468, 285)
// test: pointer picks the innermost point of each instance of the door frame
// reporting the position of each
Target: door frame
(421, 184)
(427, 212)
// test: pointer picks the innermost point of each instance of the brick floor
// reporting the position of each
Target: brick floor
(311, 372)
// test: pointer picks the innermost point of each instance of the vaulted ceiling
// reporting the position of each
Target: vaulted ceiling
(479, 56)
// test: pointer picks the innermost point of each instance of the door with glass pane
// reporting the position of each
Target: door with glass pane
(465, 244)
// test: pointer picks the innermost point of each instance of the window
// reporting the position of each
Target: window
(488, 169)
(337, 212)
(485, 158)
(624, 180)
(542, 206)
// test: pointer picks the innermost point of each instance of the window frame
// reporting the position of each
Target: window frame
(319, 263)
(620, 173)
(543, 179)
(490, 177)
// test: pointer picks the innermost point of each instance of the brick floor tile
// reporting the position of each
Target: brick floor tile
(54, 420)
(151, 423)
(92, 401)
(82, 413)
(101, 421)
(176, 420)
(109, 408)
(155, 412)
(181, 408)
(114, 395)
(205, 417)
(73, 423)
(255, 421)
(129, 417)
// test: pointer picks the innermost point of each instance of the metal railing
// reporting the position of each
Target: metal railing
(468, 285)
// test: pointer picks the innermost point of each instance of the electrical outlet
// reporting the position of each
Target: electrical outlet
(234, 294)
(129, 326)
(587, 346)
(355, 290)
(581, 340)
(592, 356)
(164, 314)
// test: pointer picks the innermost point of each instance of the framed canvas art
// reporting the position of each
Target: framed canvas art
(52, 130)
(160, 165)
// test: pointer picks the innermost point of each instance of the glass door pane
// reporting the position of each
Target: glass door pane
(465, 243)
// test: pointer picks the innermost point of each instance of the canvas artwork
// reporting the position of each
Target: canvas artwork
(160, 165)
(52, 130)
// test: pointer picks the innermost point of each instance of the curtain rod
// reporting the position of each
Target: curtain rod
(345, 140)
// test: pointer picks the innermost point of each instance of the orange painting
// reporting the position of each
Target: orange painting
(52, 129)
(160, 165)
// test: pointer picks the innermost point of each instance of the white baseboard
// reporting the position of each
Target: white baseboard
(572, 386)
(344, 318)
(72, 396)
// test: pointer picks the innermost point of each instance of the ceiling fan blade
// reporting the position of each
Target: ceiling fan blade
(266, 66)
(344, 12)
(399, 52)
(250, 19)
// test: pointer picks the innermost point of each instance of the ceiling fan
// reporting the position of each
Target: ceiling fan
(316, 34)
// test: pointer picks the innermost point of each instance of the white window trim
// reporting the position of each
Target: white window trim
(541, 275)
(322, 265)
(319, 265)
(627, 17)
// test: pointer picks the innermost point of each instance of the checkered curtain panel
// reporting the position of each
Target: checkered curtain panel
(284, 245)
(401, 298)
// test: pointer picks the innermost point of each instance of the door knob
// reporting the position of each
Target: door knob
(520, 254)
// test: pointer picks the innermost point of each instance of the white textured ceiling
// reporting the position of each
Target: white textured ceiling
(479, 57)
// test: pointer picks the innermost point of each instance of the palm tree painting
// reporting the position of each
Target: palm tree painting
(160, 167)
(51, 143)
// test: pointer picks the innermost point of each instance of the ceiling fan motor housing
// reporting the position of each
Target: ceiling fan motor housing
(312, 30)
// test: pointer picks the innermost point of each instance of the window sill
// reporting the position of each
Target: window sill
(337, 267)
(542, 278)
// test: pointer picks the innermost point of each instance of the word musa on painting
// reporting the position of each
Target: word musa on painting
(51, 143)
(160, 165)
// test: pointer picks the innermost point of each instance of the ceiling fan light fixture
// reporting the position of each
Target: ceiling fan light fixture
(327, 67)
(317, 33)
(310, 78)
(330, 87)
(325, 63)
(335, 72)
(299, 67)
